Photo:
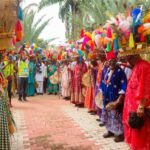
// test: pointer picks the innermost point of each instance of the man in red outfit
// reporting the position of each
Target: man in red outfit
(136, 100)
(79, 70)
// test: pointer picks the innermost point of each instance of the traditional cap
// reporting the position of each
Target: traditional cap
(111, 55)
(5, 58)
(10, 56)
(32, 55)
(140, 48)
(109, 32)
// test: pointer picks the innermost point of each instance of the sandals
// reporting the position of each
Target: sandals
(108, 134)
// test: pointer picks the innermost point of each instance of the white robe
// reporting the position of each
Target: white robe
(65, 82)
(39, 77)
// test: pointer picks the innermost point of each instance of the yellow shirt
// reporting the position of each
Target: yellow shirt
(23, 69)
(9, 69)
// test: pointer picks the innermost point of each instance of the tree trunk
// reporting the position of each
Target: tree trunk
(67, 27)
(73, 21)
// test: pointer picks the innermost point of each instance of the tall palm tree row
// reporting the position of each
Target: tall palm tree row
(101, 10)
(84, 13)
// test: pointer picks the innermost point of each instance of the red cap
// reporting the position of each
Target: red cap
(111, 55)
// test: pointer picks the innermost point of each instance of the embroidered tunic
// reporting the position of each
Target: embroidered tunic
(111, 91)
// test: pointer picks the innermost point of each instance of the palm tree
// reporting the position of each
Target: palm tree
(68, 12)
(85, 13)
(64, 6)
(31, 28)
(44, 43)
(101, 10)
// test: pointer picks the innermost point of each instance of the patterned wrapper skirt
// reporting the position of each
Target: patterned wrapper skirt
(4, 131)
(113, 121)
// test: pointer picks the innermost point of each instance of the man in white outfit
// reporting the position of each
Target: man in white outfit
(66, 80)
(39, 77)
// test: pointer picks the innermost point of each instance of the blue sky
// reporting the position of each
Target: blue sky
(55, 28)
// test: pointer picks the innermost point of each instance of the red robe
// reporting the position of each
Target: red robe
(89, 97)
(78, 73)
(138, 89)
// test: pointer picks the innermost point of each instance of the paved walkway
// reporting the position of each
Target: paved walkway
(48, 123)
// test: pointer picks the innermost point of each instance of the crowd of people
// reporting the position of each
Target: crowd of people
(27, 75)
(103, 71)
(117, 90)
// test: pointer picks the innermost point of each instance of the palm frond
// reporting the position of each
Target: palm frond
(52, 39)
(39, 21)
(27, 25)
(64, 10)
(29, 7)
(39, 30)
(31, 28)
(45, 3)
